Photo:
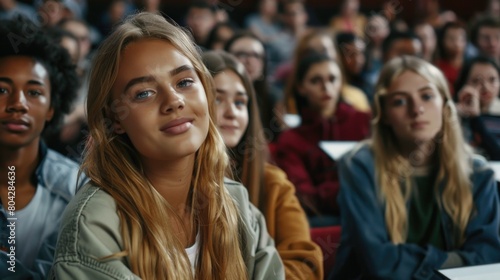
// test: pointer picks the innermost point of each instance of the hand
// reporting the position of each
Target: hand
(468, 102)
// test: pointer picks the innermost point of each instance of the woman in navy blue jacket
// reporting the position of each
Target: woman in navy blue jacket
(414, 198)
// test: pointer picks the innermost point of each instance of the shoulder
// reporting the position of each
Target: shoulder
(482, 173)
(274, 174)
(362, 153)
(236, 190)
(90, 213)
(276, 181)
(59, 174)
(358, 162)
(91, 204)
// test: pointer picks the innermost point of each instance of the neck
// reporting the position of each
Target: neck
(418, 154)
(457, 61)
(24, 159)
(172, 180)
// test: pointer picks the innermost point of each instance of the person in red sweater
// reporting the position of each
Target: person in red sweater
(324, 117)
(451, 44)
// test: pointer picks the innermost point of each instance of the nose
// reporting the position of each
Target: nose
(173, 102)
(17, 102)
(417, 109)
(229, 110)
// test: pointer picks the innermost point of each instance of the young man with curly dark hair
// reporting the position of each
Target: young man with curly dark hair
(38, 84)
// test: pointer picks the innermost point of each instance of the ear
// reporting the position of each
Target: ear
(50, 114)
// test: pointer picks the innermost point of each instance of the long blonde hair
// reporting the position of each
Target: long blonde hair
(111, 161)
(453, 156)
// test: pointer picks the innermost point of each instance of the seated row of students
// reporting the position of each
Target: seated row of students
(157, 164)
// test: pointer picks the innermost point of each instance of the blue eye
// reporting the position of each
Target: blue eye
(143, 95)
(427, 96)
(399, 102)
(185, 83)
(240, 103)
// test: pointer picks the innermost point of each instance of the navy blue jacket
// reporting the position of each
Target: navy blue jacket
(366, 251)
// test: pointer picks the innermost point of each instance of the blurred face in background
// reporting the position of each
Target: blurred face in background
(295, 15)
(250, 52)
(484, 77)
(488, 41)
(455, 40)
(200, 21)
(72, 47)
(427, 35)
(223, 34)
(406, 46)
(51, 12)
(350, 7)
(81, 32)
(377, 29)
(322, 44)
(232, 107)
(321, 87)
(268, 7)
(353, 56)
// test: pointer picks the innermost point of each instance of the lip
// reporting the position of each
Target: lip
(326, 97)
(419, 124)
(177, 126)
(16, 125)
(228, 127)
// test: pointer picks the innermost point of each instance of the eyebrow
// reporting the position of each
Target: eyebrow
(426, 87)
(31, 82)
(151, 78)
(223, 92)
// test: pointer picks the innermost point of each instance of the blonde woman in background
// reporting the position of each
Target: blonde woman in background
(415, 199)
(158, 206)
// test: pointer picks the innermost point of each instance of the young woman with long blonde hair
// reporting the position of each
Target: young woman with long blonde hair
(158, 206)
(415, 198)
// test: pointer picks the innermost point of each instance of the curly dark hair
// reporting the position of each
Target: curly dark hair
(21, 37)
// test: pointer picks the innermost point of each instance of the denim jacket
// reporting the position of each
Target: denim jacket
(56, 178)
(91, 230)
(366, 251)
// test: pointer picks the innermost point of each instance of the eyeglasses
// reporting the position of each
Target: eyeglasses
(246, 55)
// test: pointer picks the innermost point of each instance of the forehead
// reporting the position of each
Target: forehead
(22, 65)
(482, 68)
(229, 79)
(489, 29)
(148, 57)
(408, 81)
(247, 43)
(148, 54)
(323, 67)
(76, 27)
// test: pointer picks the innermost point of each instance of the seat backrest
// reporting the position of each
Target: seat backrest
(328, 238)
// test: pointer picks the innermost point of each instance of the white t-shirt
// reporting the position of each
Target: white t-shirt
(193, 252)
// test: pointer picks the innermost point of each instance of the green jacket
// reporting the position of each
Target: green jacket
(90, 229)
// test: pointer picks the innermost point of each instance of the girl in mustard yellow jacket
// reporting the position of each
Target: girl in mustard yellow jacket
(269, 189)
